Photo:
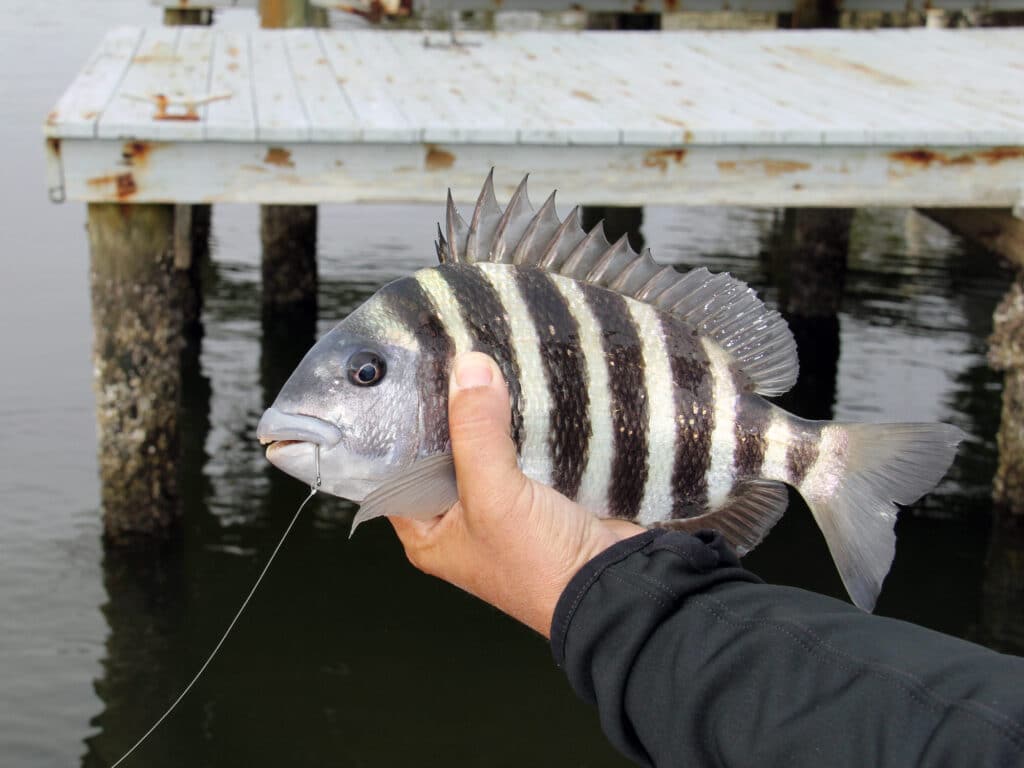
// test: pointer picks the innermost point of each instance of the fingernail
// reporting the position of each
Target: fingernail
(472, 371)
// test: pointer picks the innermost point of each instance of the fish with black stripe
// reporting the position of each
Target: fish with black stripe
(636, 390)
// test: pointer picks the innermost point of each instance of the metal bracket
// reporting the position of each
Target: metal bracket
(54, 171)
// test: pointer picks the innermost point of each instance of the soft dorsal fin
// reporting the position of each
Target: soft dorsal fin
(716, 306)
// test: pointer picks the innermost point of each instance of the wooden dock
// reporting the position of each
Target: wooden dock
(163, 121)
(798, 118)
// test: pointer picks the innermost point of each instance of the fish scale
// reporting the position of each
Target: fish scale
(636, 390)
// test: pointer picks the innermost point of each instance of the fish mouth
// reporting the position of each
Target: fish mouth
(279, 428)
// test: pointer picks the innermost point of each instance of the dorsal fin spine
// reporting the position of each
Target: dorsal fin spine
(551, 250)
(451, 218)
(717, 307)
(526, 242)
(520, 199)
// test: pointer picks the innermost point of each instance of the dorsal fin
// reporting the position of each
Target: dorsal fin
(716, 306)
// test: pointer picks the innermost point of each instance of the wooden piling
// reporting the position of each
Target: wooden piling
(814, 268)
(174, 17)
(137, 316)
(1006, 353)
(191, 222)
(995, 229)
(288, 232)
(820, 237)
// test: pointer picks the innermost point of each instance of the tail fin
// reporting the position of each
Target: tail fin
(861, 470)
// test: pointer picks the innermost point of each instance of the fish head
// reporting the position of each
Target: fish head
(354, 395)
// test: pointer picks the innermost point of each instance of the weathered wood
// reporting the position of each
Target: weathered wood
(637, 7)
(191, 222)
(321, 172)
(137, 319)
(188, 16)
(995, 229)
(1006, 353)
(815, 268)
(945, 88)
(286, 14)
(812, 268)
(288, 234)
(817, 118)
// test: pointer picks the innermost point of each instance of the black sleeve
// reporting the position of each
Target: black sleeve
(692, 661)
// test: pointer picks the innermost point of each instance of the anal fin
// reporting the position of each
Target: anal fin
(744, 520)
(424, 490)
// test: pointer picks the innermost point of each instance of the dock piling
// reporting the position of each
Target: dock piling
(138, 316)
(288, 232)
(1006, 353)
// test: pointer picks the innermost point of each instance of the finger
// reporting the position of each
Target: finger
(478, 420)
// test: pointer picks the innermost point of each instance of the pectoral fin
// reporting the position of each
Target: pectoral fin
(423, 490)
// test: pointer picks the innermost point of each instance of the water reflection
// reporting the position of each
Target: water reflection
(349, 656)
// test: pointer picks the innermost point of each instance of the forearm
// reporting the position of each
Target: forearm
(692, 661)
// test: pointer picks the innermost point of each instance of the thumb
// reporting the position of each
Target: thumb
(478, 421)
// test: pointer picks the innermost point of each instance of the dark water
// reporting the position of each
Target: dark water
(347, 656)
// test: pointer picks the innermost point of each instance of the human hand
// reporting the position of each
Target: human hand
(510, 541)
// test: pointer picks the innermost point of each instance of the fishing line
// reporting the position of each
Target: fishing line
(312, 492)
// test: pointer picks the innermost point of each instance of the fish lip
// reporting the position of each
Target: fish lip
(276, 425)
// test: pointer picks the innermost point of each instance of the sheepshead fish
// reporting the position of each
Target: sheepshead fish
(636, 390)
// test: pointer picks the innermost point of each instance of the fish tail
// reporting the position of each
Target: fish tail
(860, 473)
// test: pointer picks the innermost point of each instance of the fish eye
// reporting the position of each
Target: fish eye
(366, 368)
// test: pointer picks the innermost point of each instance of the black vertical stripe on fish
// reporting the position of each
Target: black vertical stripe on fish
(628, 392)
(802, 452)
(412, 307)
(753, 417)
(694, 403)
(487, 321)
(566, 375)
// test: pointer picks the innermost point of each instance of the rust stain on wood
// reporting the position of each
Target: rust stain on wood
(157, 58)
(54, 145)
(910, 160)
(135, 153)
(925, 158)
(768, 167)
(254, 168)
(232, 66)
(438, 159)
(585, 95)
(51, 119)
(671, 120)
(838, 62)
(279, 156)
(999, 154)
(660, 158)
(232, 51)
(124, 184)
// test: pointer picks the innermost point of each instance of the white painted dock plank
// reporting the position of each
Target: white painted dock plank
(77, 111)
(280, 113)
(331, 117)
(148, 73)
(364, 80)
(233, 118)
(821, 117)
